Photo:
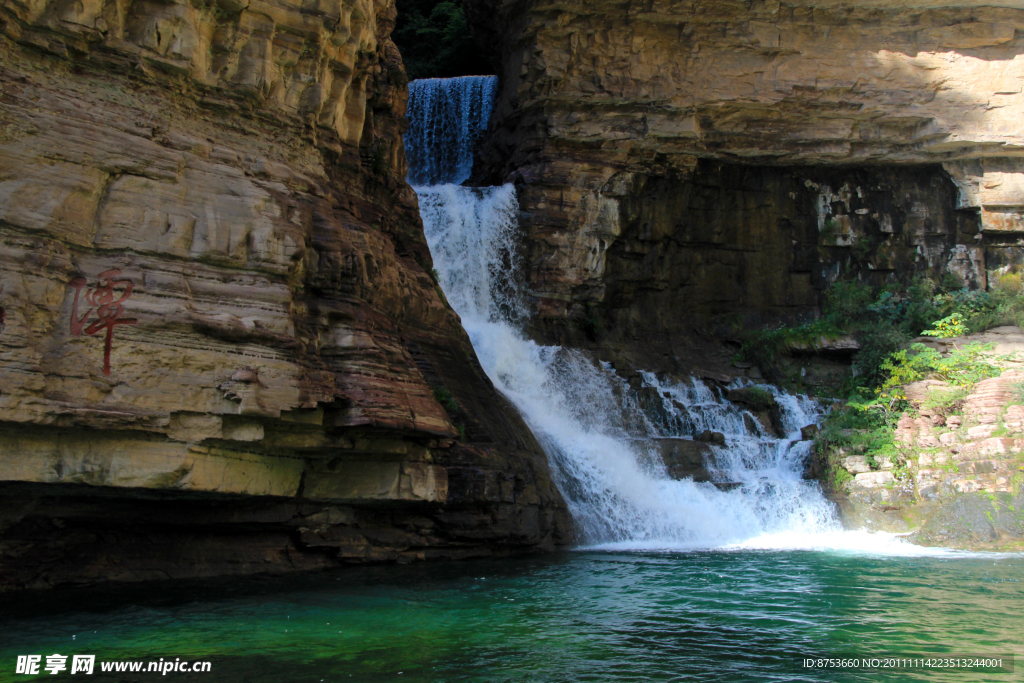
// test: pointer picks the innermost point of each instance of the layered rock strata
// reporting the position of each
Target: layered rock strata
(958, 467)
(686, 166)
(221, 347)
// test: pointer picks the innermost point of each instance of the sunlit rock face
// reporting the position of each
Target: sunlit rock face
(790, 141)
(219, 330)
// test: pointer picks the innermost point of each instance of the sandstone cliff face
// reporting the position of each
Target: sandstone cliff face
(725, 160)
(221, 350)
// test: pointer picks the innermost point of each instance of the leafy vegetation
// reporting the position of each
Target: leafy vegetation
(863, 427)
(451, 406)
(948, 402)
(445, 398)
(950, 326)
(866, 423)
(1018, 393)
(962, 367)
(590, 323)
(435, 41)
(885, 320)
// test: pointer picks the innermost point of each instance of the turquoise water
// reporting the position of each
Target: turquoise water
(581, 616)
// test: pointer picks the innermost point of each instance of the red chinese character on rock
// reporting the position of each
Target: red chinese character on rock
(105, 301)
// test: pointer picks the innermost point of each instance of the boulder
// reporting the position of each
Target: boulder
(809, 432)
(708, 436)
(686, 458)
(754, 398)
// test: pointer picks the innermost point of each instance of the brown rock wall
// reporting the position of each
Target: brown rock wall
(214, 283)
(729, 159)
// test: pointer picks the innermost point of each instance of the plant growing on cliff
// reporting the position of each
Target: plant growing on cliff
(451, 406)
(948, 402)
(885, 320)
(1004, 305)
(948, 327)
(843, 303)
(862, 248)
(1018, 393)
(590, 323)
(445, 398)
(962, 367)
(863, 426)
(877, 343)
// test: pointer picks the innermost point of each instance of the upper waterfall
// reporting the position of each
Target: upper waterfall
(446, 118)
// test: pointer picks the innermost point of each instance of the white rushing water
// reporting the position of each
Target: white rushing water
(600, 432)
(446, 117)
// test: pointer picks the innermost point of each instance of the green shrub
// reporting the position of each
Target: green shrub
(948, 327)
(877, 343)
(861, 426)
(590, 323)
(445, 398)
(1004, 305)
(962, 367)
(885, 320)
(922, 309)
(845, 301)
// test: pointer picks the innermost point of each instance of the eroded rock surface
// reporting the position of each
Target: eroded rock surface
(220, 334)
(687, 167)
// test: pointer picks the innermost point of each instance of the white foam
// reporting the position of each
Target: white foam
(598, 443)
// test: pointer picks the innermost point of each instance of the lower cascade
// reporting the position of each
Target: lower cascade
(648, 463)
(604, 436)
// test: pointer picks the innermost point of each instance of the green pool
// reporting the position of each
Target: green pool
(582, 616)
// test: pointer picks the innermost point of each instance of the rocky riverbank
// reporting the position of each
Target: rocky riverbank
(956, 473)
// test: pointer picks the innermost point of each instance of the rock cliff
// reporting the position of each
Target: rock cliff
(688, 165)
(221, 346)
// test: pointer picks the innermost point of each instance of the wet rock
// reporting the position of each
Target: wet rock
(809, 432)
(708, 436)
(976, 521)
(875, 510)
(686, 458)
(754, 398)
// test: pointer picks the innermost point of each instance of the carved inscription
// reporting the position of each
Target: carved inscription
(105, 300)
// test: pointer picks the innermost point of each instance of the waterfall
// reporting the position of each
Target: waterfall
(602, 434)
(446, 117)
